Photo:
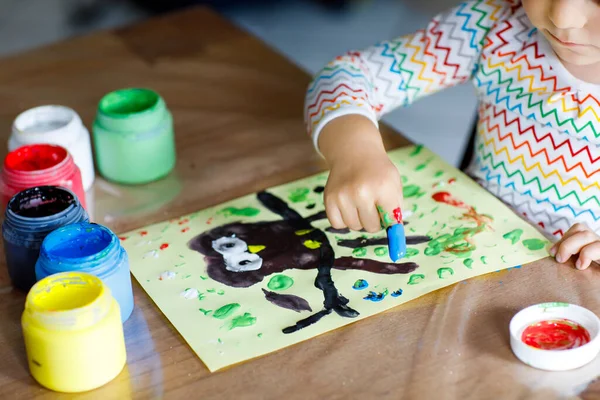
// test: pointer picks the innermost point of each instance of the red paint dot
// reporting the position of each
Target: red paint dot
(184, 230)
(164, 246)
(209, 221)
(143, 233)
(185, 221)
(122, 238)
(451, 181)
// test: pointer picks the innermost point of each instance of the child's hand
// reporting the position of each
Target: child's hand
(362, 176)
(578, 240)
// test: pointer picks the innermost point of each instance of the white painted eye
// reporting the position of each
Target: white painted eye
(243, 262)
(229, 245)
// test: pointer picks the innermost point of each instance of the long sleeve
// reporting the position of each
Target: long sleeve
(395, 73)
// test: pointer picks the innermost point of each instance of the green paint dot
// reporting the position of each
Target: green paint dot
(404, 179)
(220, 292)
(260, 335)
(410, 191)
(415, 279)
(240, 212)
(280, 282)
(226, 310)
(381, 251)
(242, 321)
(513, 236)
(359, 252)
(468, 263)
(534, 244)
(203, 277)
(205, 311)
(483, 260)
(417, 150)
(211, 290)
(438, 174)
(411, 252)
(299, 195)
(445, 272)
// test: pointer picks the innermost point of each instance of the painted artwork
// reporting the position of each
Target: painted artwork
(266, 271)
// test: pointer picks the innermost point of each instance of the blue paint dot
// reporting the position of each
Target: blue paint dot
(372, 296)
(360, 284)
(397, 293)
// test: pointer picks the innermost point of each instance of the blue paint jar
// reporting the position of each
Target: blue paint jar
(90, 248)
(29, 217)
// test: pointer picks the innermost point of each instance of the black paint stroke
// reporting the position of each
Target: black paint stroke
(303, 323)
(289, 301)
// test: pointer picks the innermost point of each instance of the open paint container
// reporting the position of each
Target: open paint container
(555, 336)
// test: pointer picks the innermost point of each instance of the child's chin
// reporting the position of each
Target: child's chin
(578, 57)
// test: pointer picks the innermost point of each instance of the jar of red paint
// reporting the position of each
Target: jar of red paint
(39, 165)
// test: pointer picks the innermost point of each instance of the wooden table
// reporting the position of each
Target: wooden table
(238, 117)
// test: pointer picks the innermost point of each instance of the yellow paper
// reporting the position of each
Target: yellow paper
(472, 233)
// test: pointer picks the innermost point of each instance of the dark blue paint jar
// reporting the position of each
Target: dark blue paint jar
(29, 217)
(90, 248)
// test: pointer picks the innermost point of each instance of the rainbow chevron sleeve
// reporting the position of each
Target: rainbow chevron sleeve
(395, 73)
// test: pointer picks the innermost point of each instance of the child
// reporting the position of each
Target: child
(536, 69)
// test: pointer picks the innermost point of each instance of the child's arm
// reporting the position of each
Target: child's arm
(346, 99)
(581, 241)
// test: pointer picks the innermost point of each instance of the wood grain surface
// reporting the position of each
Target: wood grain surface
(237, 107)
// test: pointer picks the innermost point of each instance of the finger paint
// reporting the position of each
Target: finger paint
(40, 165)
(30, 216)
(558, 334)
(93, 249)
(133, 137)
(73, 333)
(56, 125)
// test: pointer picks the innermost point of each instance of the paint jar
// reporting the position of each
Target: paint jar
(58, 125)
(73, 333)
(40, 165)
(133, 137)
(574, 329)
(90, 248)
(30, 216)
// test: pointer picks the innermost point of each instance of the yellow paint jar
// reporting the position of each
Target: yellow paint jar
(73, 332)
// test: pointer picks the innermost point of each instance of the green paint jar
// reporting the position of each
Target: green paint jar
(133, 137)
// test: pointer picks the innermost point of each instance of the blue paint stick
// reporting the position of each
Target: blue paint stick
(395, 233)
(396, 241)
(397, 237)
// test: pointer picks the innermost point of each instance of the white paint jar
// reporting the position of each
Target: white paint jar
(58, 125)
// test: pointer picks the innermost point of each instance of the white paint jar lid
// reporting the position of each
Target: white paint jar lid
(60, 125)
(555, 360)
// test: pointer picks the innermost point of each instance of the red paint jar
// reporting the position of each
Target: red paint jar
(39, 165)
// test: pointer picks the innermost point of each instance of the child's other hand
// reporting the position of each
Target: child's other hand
(578, 240)
(362, 176)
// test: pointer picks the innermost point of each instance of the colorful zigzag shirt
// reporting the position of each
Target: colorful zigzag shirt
(538, 141)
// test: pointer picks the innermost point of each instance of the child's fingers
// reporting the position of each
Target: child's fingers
(573, 230)
(333, 214)
(574, 244)
(349, 214)
(369, 217)
(588, 254)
